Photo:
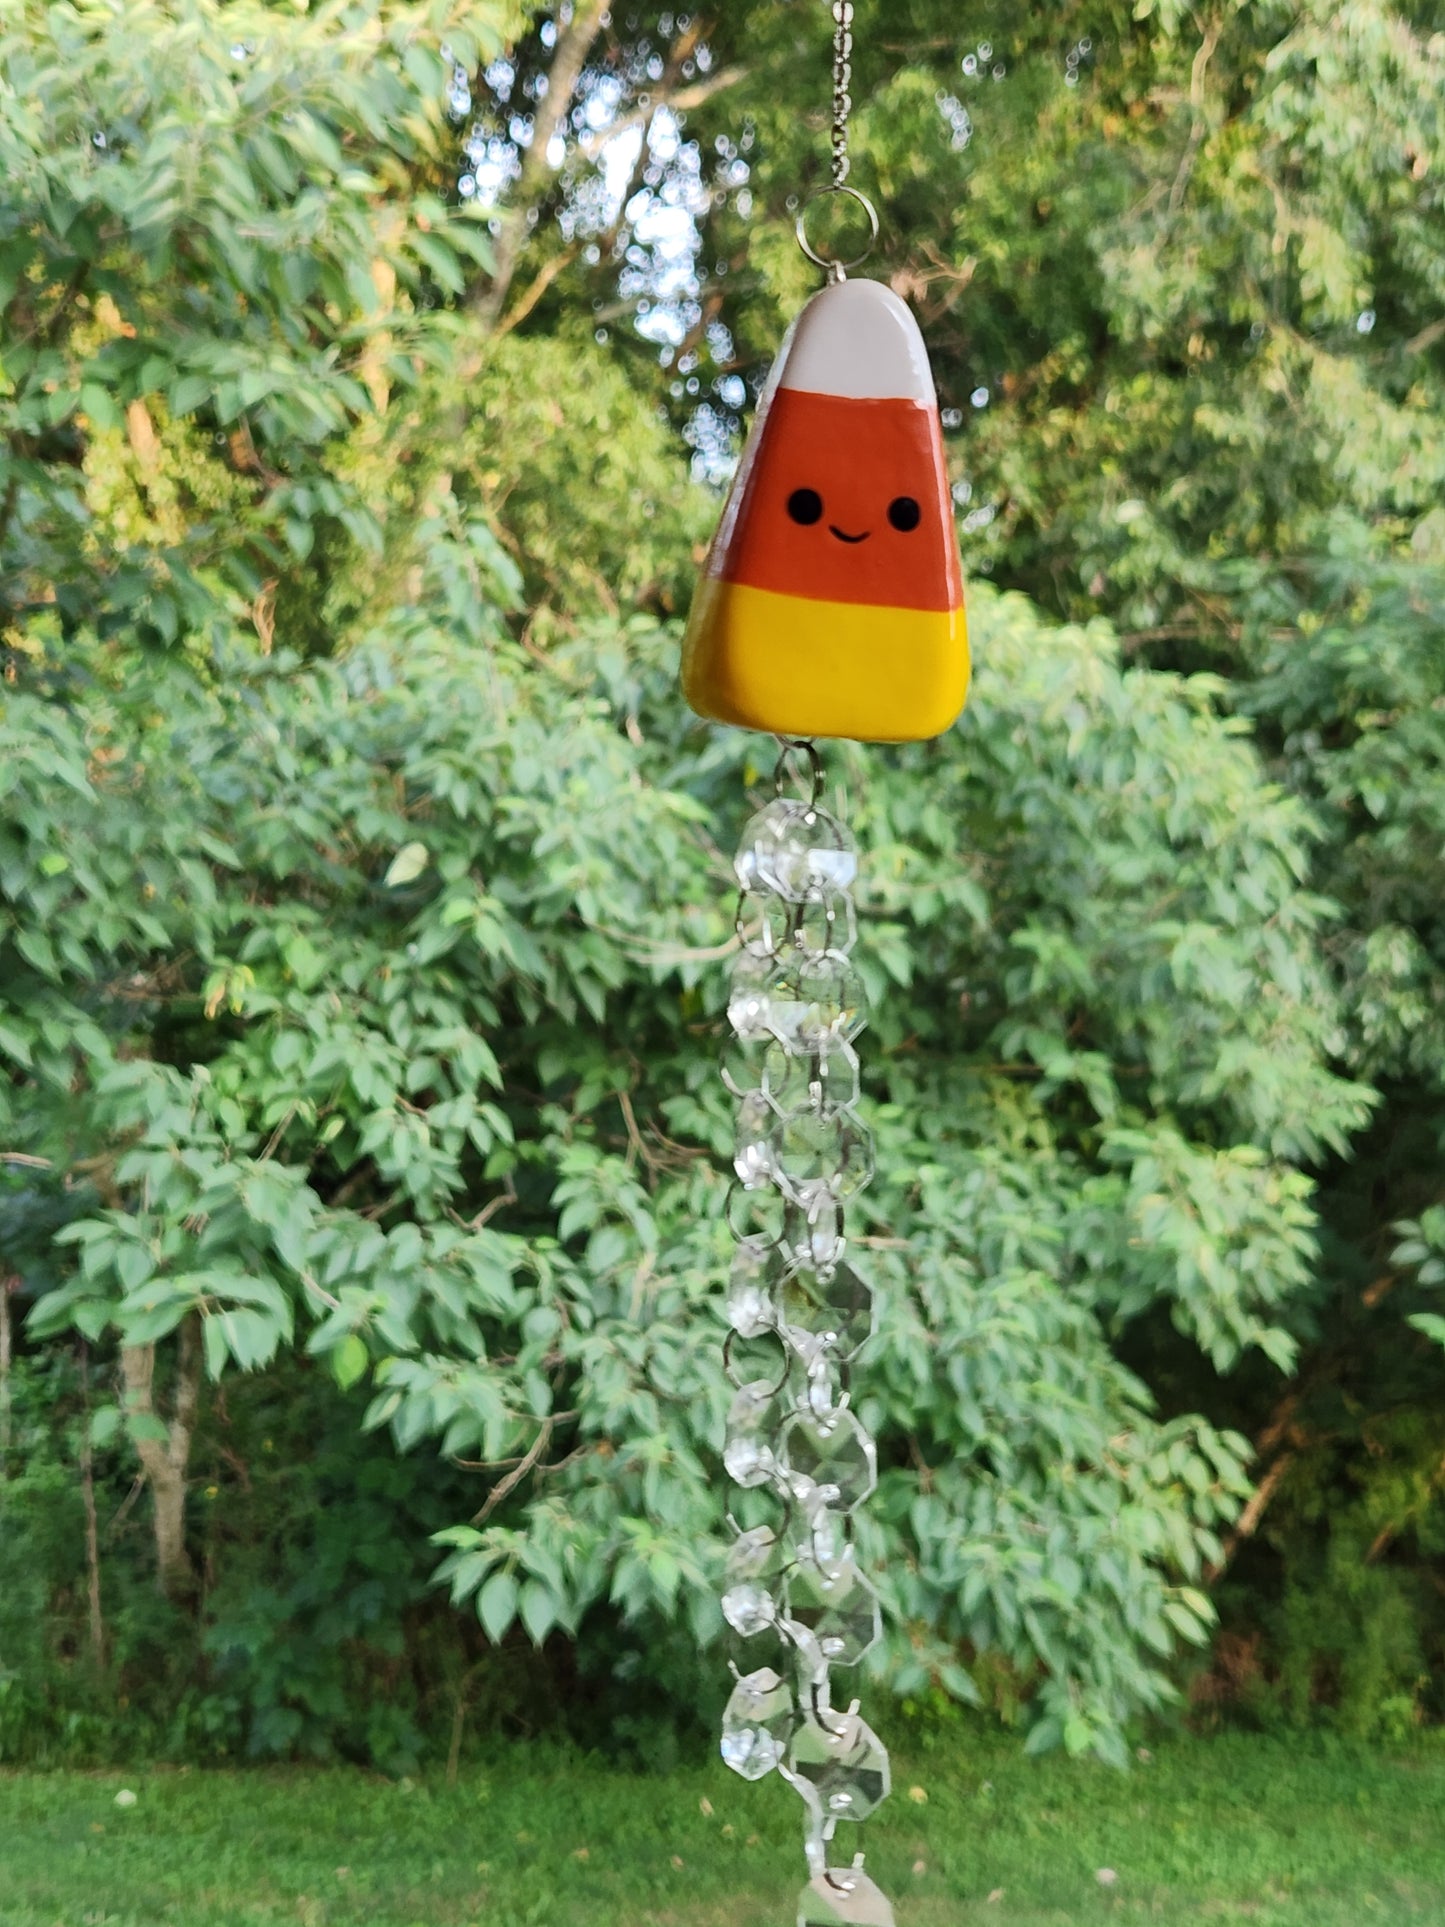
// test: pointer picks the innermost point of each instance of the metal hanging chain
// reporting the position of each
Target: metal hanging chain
(838, 265)
(842, 82)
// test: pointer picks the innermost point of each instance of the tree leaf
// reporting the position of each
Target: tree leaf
(407, 865)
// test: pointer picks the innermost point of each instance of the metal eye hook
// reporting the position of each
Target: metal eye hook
(787, 768)
(837, 266)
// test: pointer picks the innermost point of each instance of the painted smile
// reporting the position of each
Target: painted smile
(843, 535)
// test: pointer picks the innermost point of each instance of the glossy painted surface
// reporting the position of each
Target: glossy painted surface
(802, 667)
(853, 461)
(832, 599)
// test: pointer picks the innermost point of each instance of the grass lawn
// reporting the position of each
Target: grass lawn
(1230, 1829)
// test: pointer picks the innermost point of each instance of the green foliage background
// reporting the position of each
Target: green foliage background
(364, 904)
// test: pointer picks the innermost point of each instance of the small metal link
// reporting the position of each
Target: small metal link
(799, 762)
(838, 265)
(842, 82)
(735, 1379)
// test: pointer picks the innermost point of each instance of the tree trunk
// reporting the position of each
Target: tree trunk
(92, 1530)
(574, 43)
(165, 1461)
(7, 1285)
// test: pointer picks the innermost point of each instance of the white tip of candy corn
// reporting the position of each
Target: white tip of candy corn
(859, 340)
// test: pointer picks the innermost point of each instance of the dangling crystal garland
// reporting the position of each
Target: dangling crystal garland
(800, 1313)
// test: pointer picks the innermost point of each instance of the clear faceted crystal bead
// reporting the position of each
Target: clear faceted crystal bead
(808, 1081)
(757, 1553)
(742, 1061)
(750, 994)
(837, 1606)
(757, 1722)
(768, 922)
(828, 1305)
(816, 1153)
(763, 923)
(796, 851)
(752, 1427)
(753, 1152)
(761, 1358)
(832, 1463)
(754, 1571)
(845, 1761)
(829, 924)
(749, 1608)
(750, 1652)
(755, 1565)
(763, 1001)
(752, 1305)
(832, 1003)
(843, 1897)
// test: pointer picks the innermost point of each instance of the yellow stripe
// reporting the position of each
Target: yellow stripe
(802, 668)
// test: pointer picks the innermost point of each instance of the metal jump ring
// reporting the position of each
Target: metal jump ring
(837, 268)
(786, 770)
(738, 1198)
(783, 1359)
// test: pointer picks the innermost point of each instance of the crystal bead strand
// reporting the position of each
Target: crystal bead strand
(800, 1312)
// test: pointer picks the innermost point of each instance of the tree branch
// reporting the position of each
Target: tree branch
(1200, 123)
(574, 43)
(1249, 1519)
(514, 1478)
(539, 285)
(165, 1464)
(679, 100)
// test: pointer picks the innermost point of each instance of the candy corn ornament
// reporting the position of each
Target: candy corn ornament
(831, 605)
(832, 599)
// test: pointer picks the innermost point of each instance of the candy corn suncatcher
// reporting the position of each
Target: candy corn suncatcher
(832, 599)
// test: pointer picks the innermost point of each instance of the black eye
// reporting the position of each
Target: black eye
(805, 505)
(904, 513)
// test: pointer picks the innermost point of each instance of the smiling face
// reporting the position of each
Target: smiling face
(845, 501)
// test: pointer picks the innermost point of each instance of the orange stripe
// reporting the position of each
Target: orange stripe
(858, 457)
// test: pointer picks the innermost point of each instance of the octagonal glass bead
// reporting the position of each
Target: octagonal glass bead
(754, 1154)
(752, 1426)
(762, 998)
(814, 1153)
(826, 1305)
(768, 1645)
(828, 1462)
(829, 924)
(813, 1234)
(843, 1897)
(837, 1607)
(796, 851)
(821, 1535)
(753, 1286)
(749, 1608)
(845, 1762)
(832, 1003)
(801, 1081)
(757, 1723)
(757, 1553)
(755, 1564)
